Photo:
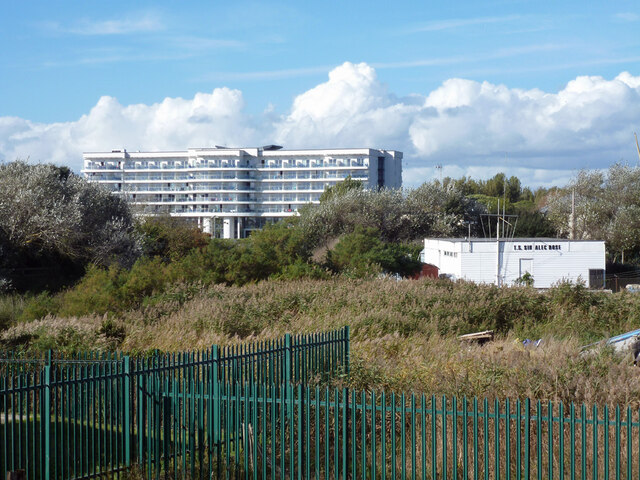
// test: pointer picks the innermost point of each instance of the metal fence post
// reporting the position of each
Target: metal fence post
(288, 386)
(288, 359)
(166, 427)
(46, 418)
(347, 346)
(126, 370)
(214, 404)
(141, 399)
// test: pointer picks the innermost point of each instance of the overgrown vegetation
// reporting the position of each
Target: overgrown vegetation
(111, 282)
(403, 332)
(53, 223)
(607, 206)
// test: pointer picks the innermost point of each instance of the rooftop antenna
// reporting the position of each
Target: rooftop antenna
(439, 168)
(572, 228)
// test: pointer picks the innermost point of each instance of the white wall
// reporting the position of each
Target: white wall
(552, 260)
(444, 254)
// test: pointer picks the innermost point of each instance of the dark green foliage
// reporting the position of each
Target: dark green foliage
(513, 200)
(113, 332)
(526, 280)
(534, 224)
(170, 238)
(276, 246)
(499, 186)
(39, 306)
(277, 251)
(266, 253)
(363, 253)
(98, 292)
(300, 269)
(53, 223)
(341, 188)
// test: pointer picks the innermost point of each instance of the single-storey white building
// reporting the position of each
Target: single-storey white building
(505, 261)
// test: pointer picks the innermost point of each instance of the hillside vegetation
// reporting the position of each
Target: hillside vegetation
(80, 272)
(403, 333)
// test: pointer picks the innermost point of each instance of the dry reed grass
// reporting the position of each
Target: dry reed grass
(403, 333)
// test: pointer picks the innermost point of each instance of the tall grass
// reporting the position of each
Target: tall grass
(403, 333)
(11, 307)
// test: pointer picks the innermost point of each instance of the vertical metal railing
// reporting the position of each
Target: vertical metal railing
(337, 433)
(98, 414)
(250, 412)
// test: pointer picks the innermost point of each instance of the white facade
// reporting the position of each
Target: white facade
(503, 262)
(231, 191)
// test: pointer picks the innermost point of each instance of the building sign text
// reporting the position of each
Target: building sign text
(537, 247)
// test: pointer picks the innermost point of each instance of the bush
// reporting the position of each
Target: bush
(146, 277)
(56, 222)
(11, 306)
(300, 270)
(362, 253)
(97, 292)
(170, 238)
(39, 306)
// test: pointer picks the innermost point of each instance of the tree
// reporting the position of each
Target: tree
(441, 211)
(495, 186)
(382, 209)
(362, 253)
(341, 188)
(607, 207)
(170, 237)
(514, 189)
(51, 218)
(430, 210)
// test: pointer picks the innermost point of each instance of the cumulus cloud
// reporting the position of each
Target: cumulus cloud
(468, 127)
(352, 109)
(589, 123)
(173, 124)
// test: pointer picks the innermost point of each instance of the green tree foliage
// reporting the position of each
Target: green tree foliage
(430, 210)
(531, 223)
(513, 200)
(607, 207)
(495, 186)
(362, 253)
(341, 188)
(170, 237)
(513, 189)
(54, 220)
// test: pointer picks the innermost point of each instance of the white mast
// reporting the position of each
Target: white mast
(498, 246)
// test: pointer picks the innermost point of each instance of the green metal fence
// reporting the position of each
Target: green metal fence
(98, 414)
(249, 412)
(296, 431)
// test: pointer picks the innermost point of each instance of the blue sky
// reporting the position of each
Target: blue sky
(415, 77)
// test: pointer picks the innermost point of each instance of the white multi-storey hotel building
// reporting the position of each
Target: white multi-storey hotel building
(231, 191)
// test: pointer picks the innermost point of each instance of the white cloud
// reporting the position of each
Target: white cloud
(351, 109)
(589, 123)
(627, 17)
(139, 23)
(173, 124)
(470, 128)
(461, 22)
